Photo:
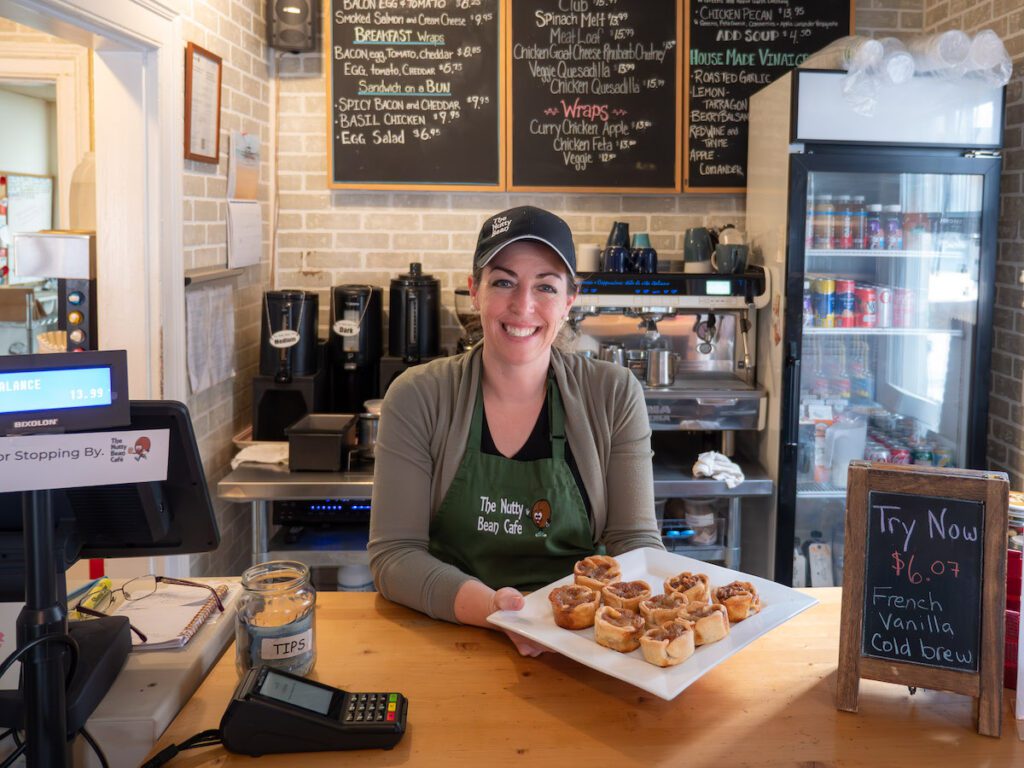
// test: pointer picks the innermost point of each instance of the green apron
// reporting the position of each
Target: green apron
(513, 523)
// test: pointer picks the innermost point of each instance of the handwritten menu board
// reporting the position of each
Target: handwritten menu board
(414, 93)
(922, 582)
(735, 48)
(595, 95)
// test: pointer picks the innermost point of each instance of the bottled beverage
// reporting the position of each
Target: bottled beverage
(808, 304)
(858, 214)
(825, 303)
(893, 223)
(824, 223)
(874, 230)
(843, 236)
(846, 304)
(822, 472)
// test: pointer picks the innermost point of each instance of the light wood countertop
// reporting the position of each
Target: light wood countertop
(475, 702)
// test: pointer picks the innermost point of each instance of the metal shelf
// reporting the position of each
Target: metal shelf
(883, 253)
(819, 491)
(810, 330)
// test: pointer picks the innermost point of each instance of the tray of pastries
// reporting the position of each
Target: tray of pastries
(652, 618)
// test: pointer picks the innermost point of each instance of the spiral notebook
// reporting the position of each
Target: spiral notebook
(173, 614)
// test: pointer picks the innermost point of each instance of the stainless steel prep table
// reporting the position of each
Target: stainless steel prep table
(260, 484)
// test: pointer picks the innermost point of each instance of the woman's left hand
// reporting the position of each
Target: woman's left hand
(510, 599)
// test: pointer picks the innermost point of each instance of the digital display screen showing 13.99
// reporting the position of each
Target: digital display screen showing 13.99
(57, 389)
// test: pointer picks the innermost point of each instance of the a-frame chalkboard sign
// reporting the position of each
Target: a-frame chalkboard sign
(924, 583)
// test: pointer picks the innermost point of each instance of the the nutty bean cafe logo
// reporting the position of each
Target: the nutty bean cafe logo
(119, 449)
(500, 224)
(506, 516)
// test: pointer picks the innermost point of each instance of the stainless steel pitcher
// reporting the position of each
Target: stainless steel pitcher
(661, 367)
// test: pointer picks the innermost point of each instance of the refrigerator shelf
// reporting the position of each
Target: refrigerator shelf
(810, 330)
(819, 491)
(881, 253)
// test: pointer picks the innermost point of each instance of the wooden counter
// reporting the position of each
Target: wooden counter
(475, 702)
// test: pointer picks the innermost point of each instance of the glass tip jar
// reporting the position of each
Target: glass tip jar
(275, 624)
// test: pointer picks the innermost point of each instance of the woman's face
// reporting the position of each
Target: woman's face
(523, 296)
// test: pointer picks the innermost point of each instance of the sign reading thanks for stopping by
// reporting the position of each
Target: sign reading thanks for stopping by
(42, 462)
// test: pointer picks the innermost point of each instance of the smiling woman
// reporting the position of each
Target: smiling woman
(497, 470)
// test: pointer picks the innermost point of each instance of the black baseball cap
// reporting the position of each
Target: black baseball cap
(524, 223)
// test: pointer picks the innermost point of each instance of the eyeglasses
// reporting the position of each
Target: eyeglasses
(139, 588)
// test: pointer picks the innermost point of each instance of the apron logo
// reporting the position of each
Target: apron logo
(540, 514)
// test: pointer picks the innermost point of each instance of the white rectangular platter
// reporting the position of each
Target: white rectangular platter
(778, 605)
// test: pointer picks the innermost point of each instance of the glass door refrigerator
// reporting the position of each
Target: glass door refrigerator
(880, 233)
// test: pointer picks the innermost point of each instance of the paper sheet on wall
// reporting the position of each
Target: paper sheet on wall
(245, 233)
(243, 166)
(210, 313)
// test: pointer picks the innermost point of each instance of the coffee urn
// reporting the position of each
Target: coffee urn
(414, 330)
(354, 346)
(291, 380)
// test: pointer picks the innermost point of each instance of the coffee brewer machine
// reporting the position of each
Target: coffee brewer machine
(687, 338)
(414, 323)
(291, 381)
(354, 346)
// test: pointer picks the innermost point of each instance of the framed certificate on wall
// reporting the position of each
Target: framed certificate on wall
(202, 104)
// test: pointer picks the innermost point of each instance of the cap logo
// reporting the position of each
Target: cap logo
(500, 225)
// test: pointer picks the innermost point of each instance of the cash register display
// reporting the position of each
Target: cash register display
(54, 389)
(298, 693)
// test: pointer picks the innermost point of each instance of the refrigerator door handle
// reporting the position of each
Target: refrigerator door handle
(792, 394)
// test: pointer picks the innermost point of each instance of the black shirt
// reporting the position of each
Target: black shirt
(537, 446)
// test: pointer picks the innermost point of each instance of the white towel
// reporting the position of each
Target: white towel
(718, 466)
(263, 453)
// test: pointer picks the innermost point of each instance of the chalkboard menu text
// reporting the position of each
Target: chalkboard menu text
(734, 48)
(595, 95)
(922, 583)
(414, 93)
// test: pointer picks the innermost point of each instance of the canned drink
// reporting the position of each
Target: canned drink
(903, 308)
(942, 457)
(922, 455)
(825, 303)
(878, 453)
(867, 306)
(846, 304)
(884, 307)
(900, 454)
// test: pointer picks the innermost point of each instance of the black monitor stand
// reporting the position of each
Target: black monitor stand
(50, 707)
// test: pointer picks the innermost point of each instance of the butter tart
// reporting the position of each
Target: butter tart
(670, 644)
(574, 606)
(626, 594)
(739, 598)
(597, 571)
(710, 622)
(618, 629)
(693, 586)
(658, 609)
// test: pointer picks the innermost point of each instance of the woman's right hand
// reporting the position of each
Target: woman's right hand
(475, 601)
(509, 599)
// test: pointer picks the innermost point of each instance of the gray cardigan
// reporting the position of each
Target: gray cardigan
(424, 427)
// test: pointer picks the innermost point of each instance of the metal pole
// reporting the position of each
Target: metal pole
(42, 616)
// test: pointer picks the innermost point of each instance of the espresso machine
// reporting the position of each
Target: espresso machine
(414, 323)
(354, 346)
(291, 381)
(688, 338)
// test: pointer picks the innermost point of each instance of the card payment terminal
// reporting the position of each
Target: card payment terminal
(273, 711)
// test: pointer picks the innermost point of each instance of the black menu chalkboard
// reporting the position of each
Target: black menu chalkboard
(595, 95)
(735, 48)
(414, 93)
(922, 580)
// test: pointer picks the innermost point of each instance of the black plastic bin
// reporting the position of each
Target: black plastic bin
(320, 442)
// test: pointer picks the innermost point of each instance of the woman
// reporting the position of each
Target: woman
(498, 469)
